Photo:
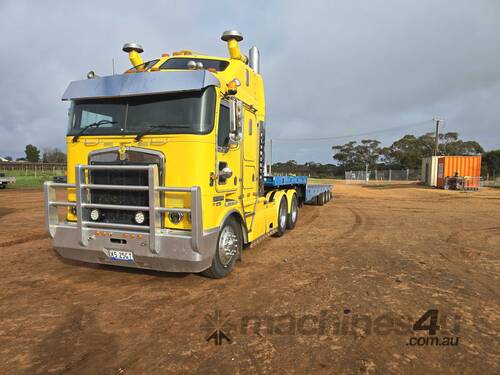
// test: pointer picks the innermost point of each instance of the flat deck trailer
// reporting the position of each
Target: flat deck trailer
(166, 165)
(315, 194)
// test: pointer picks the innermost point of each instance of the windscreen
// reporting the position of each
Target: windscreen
(182, 63)
(189, 112)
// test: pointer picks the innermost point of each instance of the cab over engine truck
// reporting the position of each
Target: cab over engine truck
(166, 166)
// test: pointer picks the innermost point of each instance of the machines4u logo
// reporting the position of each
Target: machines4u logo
(217, 327)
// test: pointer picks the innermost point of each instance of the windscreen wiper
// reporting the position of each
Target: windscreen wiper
(93, 125)
(163, 126)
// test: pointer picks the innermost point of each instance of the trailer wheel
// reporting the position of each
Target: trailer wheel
(321, 199)
(227, 250)
(282, 218)
(293, 216)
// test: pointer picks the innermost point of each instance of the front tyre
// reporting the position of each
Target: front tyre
(227, 250)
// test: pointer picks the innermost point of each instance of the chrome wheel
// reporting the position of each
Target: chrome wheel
(228, 245)
(294, 210)
(282, 217)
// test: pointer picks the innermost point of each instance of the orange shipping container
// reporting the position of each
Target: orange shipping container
(468, 167)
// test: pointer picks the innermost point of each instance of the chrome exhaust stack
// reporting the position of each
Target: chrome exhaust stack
(254, 59)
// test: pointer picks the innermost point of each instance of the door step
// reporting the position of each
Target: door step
(263, 237)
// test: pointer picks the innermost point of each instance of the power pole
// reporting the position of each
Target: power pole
(438, 121)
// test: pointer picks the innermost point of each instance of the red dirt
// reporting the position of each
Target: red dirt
(392, 249)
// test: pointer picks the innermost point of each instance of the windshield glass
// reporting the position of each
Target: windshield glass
(189, 113)
(182, 63)
(141, 68)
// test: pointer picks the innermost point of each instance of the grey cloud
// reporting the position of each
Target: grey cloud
(330, 67)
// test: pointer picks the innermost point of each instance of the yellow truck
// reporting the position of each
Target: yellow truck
(166, 165)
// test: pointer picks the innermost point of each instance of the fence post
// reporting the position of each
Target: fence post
(35, 170)
(390, 174)
(407, 174)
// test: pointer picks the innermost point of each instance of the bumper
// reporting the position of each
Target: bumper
(153, 247)
(174, 252)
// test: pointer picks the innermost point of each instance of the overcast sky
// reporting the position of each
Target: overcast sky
(331, 68)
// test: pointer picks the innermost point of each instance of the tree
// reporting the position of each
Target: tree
(32, 153)
(355, 156)
(54, 156)
(409, 151)
(491, 160)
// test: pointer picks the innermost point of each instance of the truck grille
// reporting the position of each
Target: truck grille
(112, 176)
(119, 197)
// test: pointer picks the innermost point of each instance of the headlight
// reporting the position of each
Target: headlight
(94, 214)
(139, 217)
(175, 217)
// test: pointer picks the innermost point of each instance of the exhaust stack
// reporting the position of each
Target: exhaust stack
(134, 50)
(254, 59)
(232, 37)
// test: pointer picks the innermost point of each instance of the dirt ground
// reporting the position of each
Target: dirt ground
(337, 295)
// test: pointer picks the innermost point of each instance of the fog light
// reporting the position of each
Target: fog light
(94, 214)
(139, 217)
(175, 217)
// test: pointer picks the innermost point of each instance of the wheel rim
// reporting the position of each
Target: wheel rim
(294, 210)
(282, 215)
(228, 245)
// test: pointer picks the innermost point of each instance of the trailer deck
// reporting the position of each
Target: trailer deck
(308, 192)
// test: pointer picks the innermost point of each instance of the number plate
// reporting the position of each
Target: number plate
(121, 255)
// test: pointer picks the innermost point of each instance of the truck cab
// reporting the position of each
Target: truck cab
(166, 165)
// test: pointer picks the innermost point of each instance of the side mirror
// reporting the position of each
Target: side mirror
(236, 121)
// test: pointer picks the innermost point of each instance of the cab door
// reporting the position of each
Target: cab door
(228, 154)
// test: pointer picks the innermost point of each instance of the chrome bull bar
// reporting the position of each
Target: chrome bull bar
(154, 209)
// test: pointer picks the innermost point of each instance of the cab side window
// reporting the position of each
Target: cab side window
(224, 126)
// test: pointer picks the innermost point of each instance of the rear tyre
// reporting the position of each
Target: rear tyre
(227, 250)
(293, 216)
(282, 218)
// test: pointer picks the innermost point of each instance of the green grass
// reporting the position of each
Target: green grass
(29, 180)
(26, 182)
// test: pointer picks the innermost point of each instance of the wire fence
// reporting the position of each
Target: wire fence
(32, 169)
(383, 175)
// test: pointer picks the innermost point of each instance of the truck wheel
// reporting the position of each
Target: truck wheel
(294, 213)
(227, 250)
(282, 218)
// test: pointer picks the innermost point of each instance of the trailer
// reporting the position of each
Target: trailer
(166, 165)
(314, 194)
(4, 181)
